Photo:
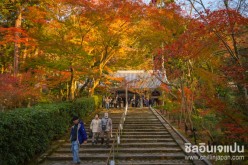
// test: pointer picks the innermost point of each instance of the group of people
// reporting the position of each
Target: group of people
(119, 102)
(115, 102)
(98, 128)
(137, 102)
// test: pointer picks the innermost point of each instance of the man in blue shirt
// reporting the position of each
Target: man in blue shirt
(78, 136)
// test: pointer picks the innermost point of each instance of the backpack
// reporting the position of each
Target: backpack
(104, 125)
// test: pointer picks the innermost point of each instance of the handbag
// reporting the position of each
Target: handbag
(90, 134)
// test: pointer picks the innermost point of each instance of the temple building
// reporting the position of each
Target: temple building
(139, 85)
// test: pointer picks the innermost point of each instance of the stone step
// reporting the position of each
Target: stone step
(114, 126)
(146, 136)
(144, 130)
(99, 149)
(154, 162)
(142, 118)
(125, 145)
(134, 115)
(150, 156)
(140, 133)
(86, 146)
(143, 124)
(127, 140)
(69, 162)
(148, 145)
(120, 156)
(83, 156)
(113, 130)
(142, 114)
(126, 150)
(149, 140)
(114, 118)
(143, 127)
(149, 150)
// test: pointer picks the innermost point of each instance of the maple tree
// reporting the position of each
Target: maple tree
(203, 63)
(18, 91)
(85, 37)
(228, 25)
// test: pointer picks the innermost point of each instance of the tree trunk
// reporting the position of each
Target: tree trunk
(67, 91)
(18, 23)
(72, 87)
(85, 85)
(96, 81)
(92, 89)
(182, 114)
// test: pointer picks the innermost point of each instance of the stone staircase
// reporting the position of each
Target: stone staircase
(146, 141)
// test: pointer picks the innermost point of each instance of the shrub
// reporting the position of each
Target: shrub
(98, 101)
(28, 131)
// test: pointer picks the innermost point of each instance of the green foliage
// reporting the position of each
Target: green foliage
(207, 123)
(169, 105)
(87, 104)
(28, 131)
(97, 101)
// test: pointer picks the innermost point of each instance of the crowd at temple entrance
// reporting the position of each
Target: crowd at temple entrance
(139, 88)
(118, 100)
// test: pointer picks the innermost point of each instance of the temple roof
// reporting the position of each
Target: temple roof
(138, 79)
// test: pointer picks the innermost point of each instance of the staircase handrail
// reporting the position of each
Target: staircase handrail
(118, 133)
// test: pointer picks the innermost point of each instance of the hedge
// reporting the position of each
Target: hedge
(27, 132)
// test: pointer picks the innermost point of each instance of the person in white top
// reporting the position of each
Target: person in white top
(95, 127)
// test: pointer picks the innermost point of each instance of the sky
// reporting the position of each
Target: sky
(204, 1)
(211, 4)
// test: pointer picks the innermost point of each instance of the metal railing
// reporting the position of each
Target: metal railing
(117, 139)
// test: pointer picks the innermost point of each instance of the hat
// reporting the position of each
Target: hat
(74, 118)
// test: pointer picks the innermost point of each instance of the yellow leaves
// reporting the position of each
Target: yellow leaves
(55, 24)
(206, 75)
(208, 78)
(117, 24)
(108, 69)
(118, 79)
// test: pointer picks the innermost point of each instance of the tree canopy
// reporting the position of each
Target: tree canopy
(50, 48)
